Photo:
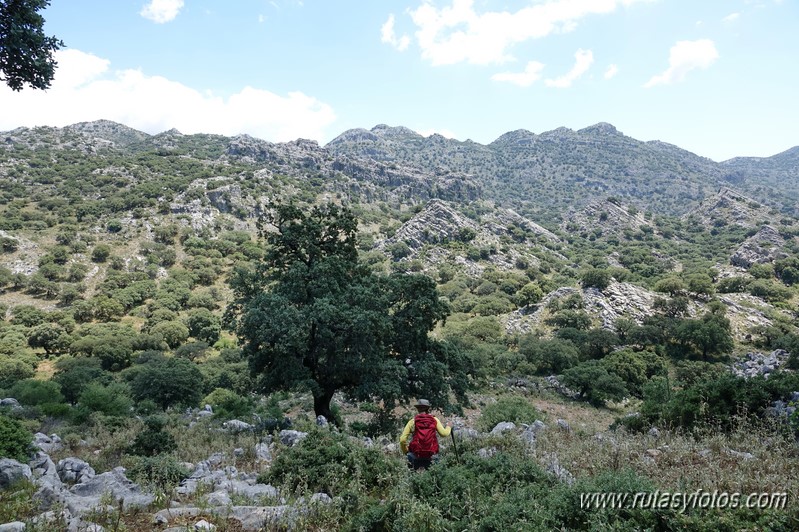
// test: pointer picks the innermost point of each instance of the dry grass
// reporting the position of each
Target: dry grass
(706, 459)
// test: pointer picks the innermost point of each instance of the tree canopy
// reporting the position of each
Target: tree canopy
(26, 53)
(312, 316)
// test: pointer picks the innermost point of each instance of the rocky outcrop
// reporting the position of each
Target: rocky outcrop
(12, 472)
(744, 312)
(21, 255)
(618, 300)
(759, 364)
(728, 207)
(230, 199)
(409, 183)
(606, 218)
(763, 247)
(437, 223)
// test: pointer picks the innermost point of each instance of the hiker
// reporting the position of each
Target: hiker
(424, 443)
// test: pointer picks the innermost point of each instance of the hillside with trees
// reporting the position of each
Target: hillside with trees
(244, 326)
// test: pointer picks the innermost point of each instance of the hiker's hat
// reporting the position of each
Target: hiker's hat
(422, 402)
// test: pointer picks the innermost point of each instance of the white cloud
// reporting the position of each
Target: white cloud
(85, 89)
(387, 35)
(582, 62)
(161, 11)
(732, 17)
(458, 33)
(611, 71)
(531, 74)
(684, 57)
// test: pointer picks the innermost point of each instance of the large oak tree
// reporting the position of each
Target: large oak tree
(313, 317)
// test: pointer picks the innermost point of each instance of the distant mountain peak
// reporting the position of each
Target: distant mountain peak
(355, 135)
(601, 128)
(558, 133)
(519, 137)
(119, 134)
(388, 132)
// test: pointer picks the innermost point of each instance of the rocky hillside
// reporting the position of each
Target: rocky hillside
(550, 172)
(590, 282)
(777, 175)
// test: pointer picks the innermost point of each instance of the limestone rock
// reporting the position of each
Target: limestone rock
(11, 403)
(219, 498)
(728, 207)
(764, 246)
(46, 443)
(43, 466)
(558, 471)
(504, 426)
(321, 498)
(203, 525)
(74, 470)
(743, 456)
(618, 300)
(290, 438)
(12, 472)
(754, 364)
(606, 216)
(263, 452)
(117, 485)
(465, 433)
(236, 425)
(487, 452)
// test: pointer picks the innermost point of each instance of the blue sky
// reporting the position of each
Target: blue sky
(716, 77)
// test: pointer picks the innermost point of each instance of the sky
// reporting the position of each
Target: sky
(715, 77)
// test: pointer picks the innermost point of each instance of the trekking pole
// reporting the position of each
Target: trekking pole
(455, 446)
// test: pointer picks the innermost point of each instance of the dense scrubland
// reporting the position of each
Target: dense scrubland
(144, 277)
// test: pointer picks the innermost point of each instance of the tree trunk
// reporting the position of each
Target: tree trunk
(321, 405)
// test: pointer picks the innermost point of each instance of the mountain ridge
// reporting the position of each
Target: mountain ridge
(542, 175)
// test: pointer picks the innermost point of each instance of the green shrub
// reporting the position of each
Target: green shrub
(228, 404)
(594, 383)
(483, 493)
(32, 392)
(153, 440)
(168, 382)
(14, 370)
(770, 290)
(18, 504)
(111, 400)
(27, 315)
(74, 374)
(15, 442)
(598, 278)
(101, 252)
(634, 368)
(549, 356)
(204, 325)
(515, 408)
(733, 284)
(160, 473)
(576, 319)
(718, 401)
(192, 350)
(173, 333)
(329, 462)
